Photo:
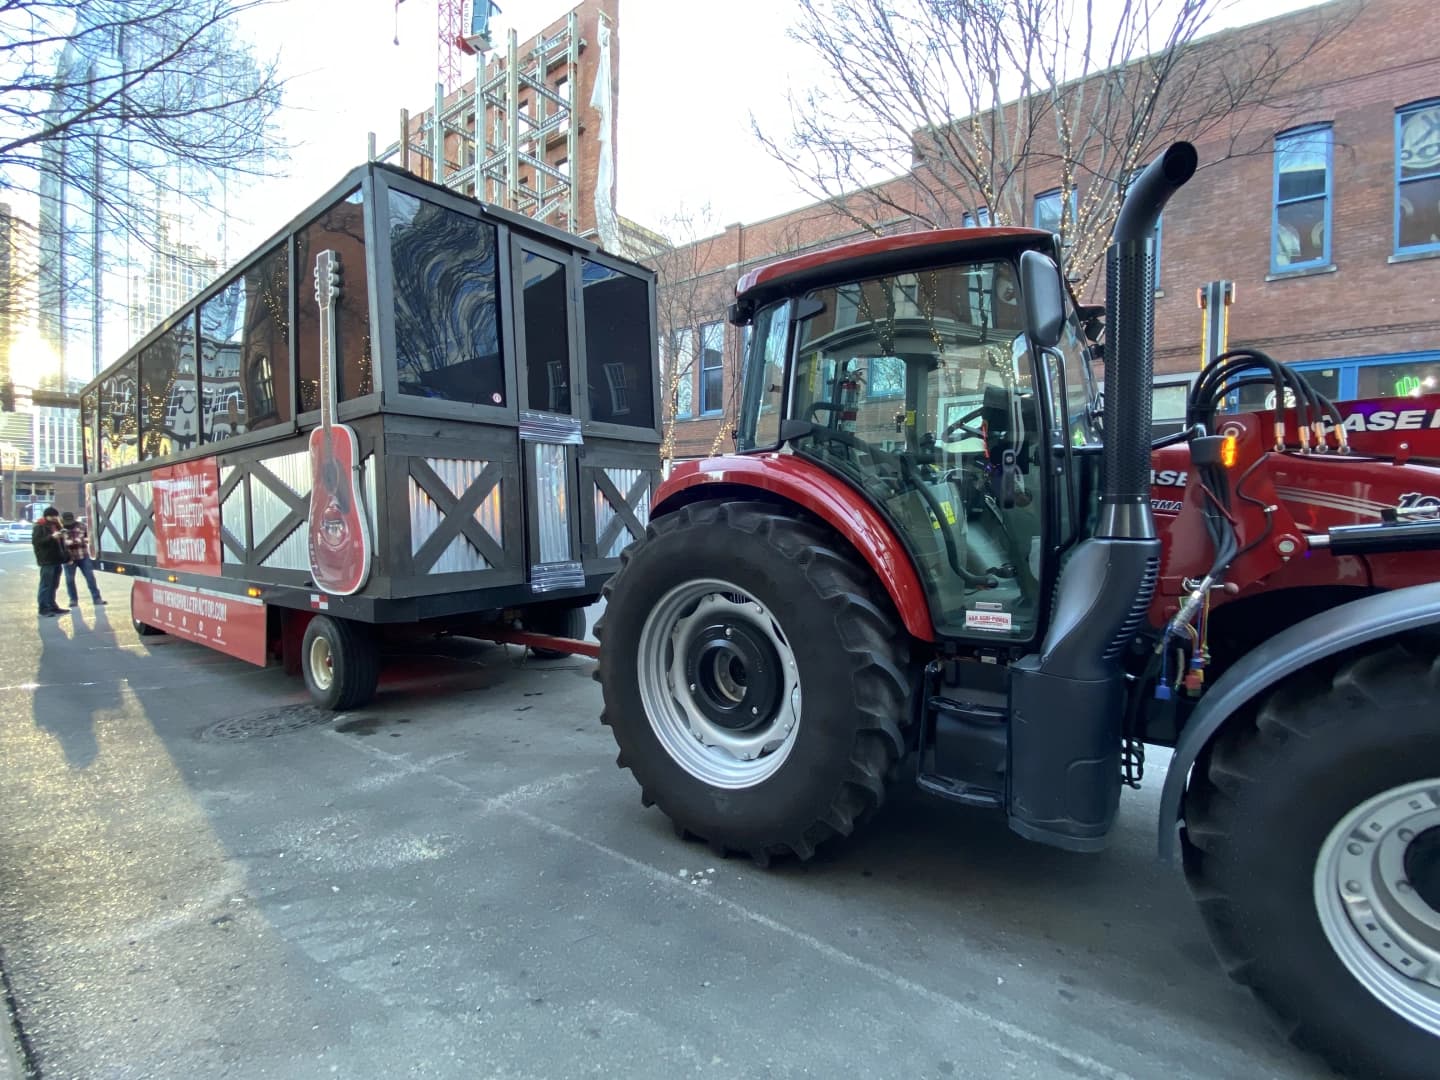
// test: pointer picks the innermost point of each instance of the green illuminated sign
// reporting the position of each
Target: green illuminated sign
(1410, 384)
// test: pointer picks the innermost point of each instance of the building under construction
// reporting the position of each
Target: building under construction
(528, 125)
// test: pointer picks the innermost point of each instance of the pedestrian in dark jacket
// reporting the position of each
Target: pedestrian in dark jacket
(77, 544)
(48, 540)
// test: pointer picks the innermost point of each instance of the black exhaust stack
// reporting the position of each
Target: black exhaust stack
(1066, 702)
(1130, 345)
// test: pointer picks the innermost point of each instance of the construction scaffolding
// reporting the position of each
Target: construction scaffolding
(499, 139)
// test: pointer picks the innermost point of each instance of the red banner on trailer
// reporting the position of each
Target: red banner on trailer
(234, 625)
(187, 517)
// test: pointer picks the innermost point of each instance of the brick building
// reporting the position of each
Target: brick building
(1330, 232)
(537, 135)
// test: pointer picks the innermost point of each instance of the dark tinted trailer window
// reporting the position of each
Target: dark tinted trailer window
(89, 409)
(341, 229)
(169, 412)
(119, 417)
(245, 350)
(619, 369)
(447, 325)
(547, 333)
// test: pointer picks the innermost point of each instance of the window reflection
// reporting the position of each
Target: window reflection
(119, 420)
(340, 229)
(619, 366)
(547, 333)
(447, 327)
(245, 350)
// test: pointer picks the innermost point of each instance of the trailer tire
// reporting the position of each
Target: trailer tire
(145, 629)
(567, 623)
(340, 662)
(696, 641)
(1304, 906)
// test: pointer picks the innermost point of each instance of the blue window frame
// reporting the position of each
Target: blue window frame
(981, 217)
(1417, 177)
(712, 375)
(1300, 225)
(1047, 210)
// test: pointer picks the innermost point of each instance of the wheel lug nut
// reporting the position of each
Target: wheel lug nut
(754, 711)
(1352, 886)
(692, 688)
(1354, 849)
(1406, 836)
(1404, 886)
(729, 632)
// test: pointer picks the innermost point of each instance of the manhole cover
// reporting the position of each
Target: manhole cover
(268, 724)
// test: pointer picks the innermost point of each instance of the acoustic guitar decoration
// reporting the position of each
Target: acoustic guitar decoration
(339, 540)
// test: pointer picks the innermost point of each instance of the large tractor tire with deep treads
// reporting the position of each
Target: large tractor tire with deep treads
(755, 678)
(1312, 844)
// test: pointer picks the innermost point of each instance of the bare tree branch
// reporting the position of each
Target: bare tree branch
(964, 103)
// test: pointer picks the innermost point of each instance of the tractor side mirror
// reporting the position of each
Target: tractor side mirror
(1044, 298)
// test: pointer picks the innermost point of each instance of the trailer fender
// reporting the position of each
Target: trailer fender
(792, 479)
(1357, 622)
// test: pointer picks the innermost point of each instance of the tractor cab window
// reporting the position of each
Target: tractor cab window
(920, 390)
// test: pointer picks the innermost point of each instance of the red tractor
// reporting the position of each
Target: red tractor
(939, 557)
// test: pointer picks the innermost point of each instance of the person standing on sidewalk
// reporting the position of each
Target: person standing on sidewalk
(48, 540)
(77, 543)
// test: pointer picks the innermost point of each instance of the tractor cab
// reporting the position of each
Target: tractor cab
(920, 389)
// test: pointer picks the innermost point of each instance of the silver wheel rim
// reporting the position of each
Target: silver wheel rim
(1380, 927)
(322, 663)
(719, 684)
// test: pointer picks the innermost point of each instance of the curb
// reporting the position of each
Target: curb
(13, 1059)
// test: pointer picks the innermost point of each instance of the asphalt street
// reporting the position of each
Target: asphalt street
(201, 878)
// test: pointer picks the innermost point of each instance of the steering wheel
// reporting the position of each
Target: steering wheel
(963, 427)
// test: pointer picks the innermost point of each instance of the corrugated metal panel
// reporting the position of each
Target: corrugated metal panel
(137, 524)
(624, 480)
(112, 540)
(548, 427)
(267, 510)
(367, 483)
(552, 508)
(293, 553)
(425, 518)
(459, 557)
(292, 470)
(232, 516)
(458, 474)
(545, 577)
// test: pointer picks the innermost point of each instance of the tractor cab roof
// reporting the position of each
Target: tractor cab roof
(884, 255)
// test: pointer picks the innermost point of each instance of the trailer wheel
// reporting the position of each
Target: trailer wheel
(340, 662)
(1312, 845)
(566, 623)
(144, 629)
(754, 677)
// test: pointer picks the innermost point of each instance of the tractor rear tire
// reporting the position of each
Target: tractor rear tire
(755, 678)
(1304, 827)
(340, 663)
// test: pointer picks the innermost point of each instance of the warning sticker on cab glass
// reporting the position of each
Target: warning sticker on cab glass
(987, 620)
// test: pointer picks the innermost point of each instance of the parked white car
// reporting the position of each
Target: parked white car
(17, 532)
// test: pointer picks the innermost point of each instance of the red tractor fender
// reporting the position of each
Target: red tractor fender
(829, 498)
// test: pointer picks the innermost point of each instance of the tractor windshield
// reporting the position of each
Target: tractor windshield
(919, 389)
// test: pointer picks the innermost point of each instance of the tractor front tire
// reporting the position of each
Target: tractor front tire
(1312, 845)
(340, 663)
(755, 678)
